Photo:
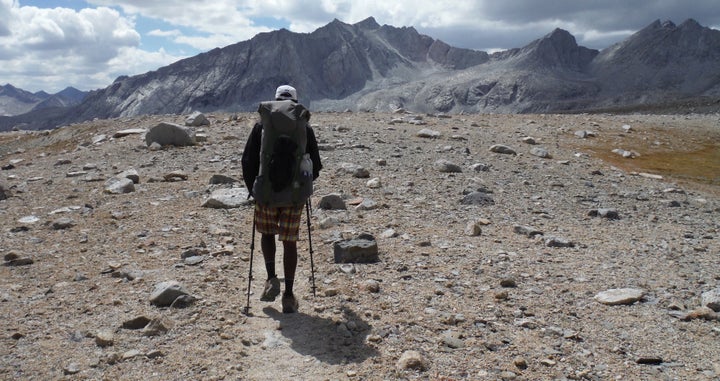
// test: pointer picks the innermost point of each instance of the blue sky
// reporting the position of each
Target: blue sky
(51, 44)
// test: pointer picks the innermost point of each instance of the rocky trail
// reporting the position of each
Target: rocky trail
(510, 247)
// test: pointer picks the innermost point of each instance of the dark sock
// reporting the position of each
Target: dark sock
(267, 243)
(270, 267)
(289, 286)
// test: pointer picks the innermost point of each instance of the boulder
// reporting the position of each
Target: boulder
(119, 185)
(362, 249)
(197, 119)
(170, 134)
(165, 293)
(333, 201)
(227, 198)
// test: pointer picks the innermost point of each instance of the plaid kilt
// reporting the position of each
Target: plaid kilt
(283, 221)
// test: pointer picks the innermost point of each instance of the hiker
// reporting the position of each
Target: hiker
(284, 220)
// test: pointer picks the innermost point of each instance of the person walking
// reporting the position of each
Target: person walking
(273, 216)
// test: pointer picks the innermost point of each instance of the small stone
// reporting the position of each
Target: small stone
(130, 354)
(501, 295)
(156, 353)
(374, 183)
(72, 368)
(649, 360)
(705, 313)
(175, 176)
(347, 268)
(711, 299)
(558, 242)
(62, 224)
(508, 283)
(371, 286)
(526, 230)
(104, 339)
(473, 229)
(520, 363)
(453, 342)
(541, 153)
(137, 323)
(445, 166)
(411, 360)
(503, 149)
(428, 133)
(619, 296)
(610, 214)
(155, 327)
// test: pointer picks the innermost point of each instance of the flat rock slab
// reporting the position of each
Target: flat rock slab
(227, 198)
(619, 296)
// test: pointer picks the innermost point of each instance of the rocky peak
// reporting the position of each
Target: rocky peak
(369, 23)
(558, 50)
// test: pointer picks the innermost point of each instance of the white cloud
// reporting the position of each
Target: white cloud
(50, 49)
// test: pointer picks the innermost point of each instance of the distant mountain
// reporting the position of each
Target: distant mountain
(369, 67)
(15, 101)
(70, 96)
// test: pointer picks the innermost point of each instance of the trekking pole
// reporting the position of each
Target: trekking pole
(312, 264)
(252, 250)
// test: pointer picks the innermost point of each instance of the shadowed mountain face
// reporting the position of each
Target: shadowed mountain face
(368, 67)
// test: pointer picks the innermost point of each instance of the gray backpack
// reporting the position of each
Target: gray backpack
(285, 177)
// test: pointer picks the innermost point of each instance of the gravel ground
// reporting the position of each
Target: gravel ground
(501, 289)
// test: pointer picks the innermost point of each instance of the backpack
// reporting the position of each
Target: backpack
(285, 177)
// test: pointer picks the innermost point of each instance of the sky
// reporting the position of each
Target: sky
(49, 45)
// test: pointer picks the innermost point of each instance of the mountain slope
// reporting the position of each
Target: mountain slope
(660, 60)
(365, 66)
(332, 62)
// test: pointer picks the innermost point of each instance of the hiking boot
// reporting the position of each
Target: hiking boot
(271, 291)
(289, 304)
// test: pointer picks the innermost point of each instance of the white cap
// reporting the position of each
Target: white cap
(285, 92)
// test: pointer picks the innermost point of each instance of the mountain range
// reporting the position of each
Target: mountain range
(369, 67)
(14, 101)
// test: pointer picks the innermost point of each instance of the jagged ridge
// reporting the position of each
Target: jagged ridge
(366, 66)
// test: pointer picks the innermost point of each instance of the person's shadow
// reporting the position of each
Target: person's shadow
(338, 341)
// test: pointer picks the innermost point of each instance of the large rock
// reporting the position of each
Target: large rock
(165, 293)
(333, 201)
(197, 119)
(362, 249)
(227, 198)
(170, 134)
(119, 185)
